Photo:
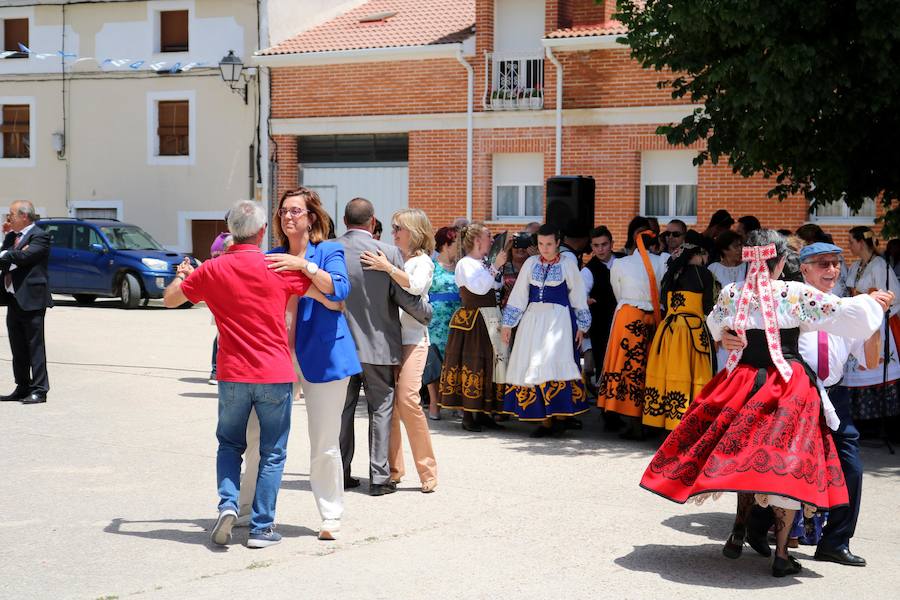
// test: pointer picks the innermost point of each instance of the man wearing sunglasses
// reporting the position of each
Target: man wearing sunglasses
(673, 236)
(820, 265)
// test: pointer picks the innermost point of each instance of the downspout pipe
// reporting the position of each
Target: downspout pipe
(559, 106)
(470, 94)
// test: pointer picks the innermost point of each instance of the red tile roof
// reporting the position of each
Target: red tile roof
(416, 22)
(611, 27)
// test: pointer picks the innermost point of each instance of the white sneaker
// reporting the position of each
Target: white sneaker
(221, 532)
(329, 530)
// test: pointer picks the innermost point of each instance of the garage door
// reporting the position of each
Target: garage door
(343, 167)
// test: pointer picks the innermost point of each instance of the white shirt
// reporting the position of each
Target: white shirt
(839, 350)
(726, 275)
(472, 275)
(630, 282)
(588, 277)
(420, 269)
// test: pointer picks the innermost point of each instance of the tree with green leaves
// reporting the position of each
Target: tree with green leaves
(805, 93)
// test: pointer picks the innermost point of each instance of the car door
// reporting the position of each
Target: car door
(89, 262)
(60, 250)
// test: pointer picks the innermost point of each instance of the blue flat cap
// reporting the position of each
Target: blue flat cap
(819, 248)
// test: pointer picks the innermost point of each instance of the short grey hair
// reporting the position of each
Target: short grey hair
(764, 237)
(26, 209)
(245, 219)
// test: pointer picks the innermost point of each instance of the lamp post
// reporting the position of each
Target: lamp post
(232, 69)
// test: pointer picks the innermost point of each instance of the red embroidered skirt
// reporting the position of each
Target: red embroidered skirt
(773, 441)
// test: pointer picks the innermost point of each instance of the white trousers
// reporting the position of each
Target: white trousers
(324, 404)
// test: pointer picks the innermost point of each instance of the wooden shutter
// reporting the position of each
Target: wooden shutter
(173, 131)
(15, 32)
(15, 130)
(173, 30)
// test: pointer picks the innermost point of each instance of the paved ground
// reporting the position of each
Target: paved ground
(108, 492)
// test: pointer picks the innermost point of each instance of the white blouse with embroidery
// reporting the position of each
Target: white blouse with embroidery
(803, 306)
(534, 272)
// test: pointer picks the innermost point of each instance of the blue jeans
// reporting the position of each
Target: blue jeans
(272, 402)
(841, 523)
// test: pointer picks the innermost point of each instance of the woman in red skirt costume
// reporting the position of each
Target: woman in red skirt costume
(757, 426)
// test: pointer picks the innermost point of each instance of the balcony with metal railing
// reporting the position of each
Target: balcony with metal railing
(514, 82)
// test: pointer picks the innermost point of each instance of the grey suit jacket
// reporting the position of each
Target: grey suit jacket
(371, 307)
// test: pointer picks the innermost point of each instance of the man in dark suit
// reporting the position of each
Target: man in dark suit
(23, 267)
(374, 319)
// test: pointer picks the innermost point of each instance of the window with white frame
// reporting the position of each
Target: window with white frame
(518, 186)
(17, 131)
(15, 37)
(840, 212)
(172, 129)
(668, 183)
(172, 23)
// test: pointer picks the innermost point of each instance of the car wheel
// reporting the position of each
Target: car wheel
(84, 298)
(130, 291)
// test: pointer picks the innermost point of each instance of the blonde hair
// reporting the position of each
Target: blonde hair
(470, 234)
(415, 221)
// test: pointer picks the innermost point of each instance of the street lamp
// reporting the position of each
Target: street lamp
(232, 69)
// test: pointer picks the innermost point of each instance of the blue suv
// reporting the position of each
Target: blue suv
(108, 258)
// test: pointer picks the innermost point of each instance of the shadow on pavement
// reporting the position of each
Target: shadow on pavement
(199, 394)
(190, 531)
(704, 566)
(714, 526)
(203, 380)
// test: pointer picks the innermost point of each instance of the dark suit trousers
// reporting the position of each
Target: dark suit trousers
(26, 340)
(841, 523)
(379, 382)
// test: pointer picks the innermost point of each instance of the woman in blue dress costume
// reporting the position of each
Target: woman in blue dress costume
(543, 376)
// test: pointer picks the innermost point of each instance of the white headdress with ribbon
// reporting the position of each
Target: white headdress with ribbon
(759, 285)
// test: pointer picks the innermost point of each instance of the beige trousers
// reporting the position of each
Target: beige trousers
(408, 410)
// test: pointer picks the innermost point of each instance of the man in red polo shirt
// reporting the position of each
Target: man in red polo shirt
(254, 366)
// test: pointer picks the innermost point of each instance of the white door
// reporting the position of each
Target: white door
(387, 187)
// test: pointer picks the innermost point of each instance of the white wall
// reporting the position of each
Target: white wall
(518, 26)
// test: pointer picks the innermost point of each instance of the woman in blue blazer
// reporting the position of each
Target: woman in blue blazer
(324, 348)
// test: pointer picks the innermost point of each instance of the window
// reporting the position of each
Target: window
(85, 237)
(173, 31)
(173, 128)
(669, 184)
(60, 234)
(838, 211)
(379, 147)
(15, 32)
(518, 186)
(97, 213)
(16, 130)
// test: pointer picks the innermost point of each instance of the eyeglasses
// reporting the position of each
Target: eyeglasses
(674, 234)
(395, 228)
(824, 264)
(294, 211)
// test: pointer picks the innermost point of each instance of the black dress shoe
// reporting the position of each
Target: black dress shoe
(842, 557)
(785, 566)
(759, 543)
(350, 483)
(487, 422)
(15, 396)
(474, 427)
(35, 398)
(734, 545)
(380, 489)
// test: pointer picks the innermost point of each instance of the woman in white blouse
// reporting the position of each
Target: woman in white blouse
(473, 373)
(412, 235)
(544, 375)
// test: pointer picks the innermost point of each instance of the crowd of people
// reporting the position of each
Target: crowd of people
(754, 350)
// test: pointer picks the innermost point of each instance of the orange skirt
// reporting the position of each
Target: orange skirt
(621, 387)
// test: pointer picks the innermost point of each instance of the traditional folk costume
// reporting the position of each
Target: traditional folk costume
(757, 427)
(682, 358)
(543, 377)
(871, 396)
(635, 280)
(472, 376)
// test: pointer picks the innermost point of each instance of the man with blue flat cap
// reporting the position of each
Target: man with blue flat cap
(826, 355)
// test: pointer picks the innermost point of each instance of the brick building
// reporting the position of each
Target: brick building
(453, 107)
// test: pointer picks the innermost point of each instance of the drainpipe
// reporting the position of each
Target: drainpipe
(559, 105)
(470, 92)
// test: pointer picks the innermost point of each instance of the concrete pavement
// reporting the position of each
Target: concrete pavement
(108, 491)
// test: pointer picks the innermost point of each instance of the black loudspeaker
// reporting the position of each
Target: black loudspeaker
(570, 198)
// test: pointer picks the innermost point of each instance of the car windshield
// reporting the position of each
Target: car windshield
(130, 238)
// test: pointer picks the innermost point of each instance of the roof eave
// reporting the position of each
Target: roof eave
(587, 42)
(363, 55)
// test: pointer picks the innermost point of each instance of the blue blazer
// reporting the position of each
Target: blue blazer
(324, 345)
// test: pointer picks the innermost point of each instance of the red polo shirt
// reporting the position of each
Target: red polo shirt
(248, 301)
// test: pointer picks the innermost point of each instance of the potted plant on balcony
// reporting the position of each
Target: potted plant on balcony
(497, 100)
(509, 99)
(537, 98)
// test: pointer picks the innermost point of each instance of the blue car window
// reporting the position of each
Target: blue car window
(60, 234)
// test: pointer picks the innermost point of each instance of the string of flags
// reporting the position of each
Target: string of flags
(131, 63)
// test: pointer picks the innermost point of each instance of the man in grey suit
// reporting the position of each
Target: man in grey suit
(374, 320)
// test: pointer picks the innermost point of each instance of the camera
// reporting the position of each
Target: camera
(523, 240)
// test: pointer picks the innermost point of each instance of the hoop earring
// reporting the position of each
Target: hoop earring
(308, 228)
